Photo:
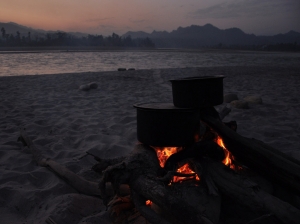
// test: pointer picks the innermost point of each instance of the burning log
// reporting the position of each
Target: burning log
(141, 171)
(185, 202)
(258, 156)
(249, 193)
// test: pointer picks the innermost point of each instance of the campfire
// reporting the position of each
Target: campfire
(199, 183)
(163, 153)
(175, 174)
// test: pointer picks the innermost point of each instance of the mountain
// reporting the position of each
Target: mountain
(208, 35)
(13, 28)
(193, 36)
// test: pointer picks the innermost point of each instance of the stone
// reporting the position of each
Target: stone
(253, 99)
(239, 104)
(230, 97)
(84, 87)
(121, 69)
(89, 86)
(93, 85)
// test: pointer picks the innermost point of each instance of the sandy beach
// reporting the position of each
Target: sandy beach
(65, 122)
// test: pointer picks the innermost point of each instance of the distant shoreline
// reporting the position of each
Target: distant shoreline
(58, 49)
(66, 49)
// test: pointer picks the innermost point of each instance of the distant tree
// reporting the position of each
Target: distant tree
(116, 40)
(145, 42)
(3, 32)
(95, 40)
(11, 38)
(18, 37)
(128, 42)
(65, 39)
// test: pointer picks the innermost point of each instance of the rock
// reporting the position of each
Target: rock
(239, 104)
(253, 99)
(230, 97)
(121, 69)
(93, 85)
(89, 86)
(131, 69)
(84, 87)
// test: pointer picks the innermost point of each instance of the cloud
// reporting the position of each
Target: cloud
(137, 21)
(106, 27)
(99, 19)
(246, 8)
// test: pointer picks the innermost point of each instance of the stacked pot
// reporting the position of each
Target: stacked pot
(175, 124)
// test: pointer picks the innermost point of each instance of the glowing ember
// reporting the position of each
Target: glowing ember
(185, 169)
(164, 153)
(148, 203)
(228, 156)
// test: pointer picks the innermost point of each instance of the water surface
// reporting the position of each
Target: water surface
(35, 63)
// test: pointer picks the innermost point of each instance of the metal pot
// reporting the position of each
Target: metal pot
(162, 124)
(199, 92)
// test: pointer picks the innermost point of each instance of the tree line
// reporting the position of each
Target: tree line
(66, 39)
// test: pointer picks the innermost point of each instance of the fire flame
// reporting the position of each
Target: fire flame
(148, 203)
(164, 153)
(228, 161)
(185, 169)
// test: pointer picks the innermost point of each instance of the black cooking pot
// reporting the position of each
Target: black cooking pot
(162, 124)
(200, 92)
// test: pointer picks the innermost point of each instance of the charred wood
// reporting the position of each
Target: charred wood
(273, 164)
(140, 171)
(249, 194)
(198, 150)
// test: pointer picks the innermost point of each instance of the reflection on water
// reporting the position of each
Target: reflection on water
(68, 62)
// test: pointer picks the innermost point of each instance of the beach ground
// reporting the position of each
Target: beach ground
(65, 122)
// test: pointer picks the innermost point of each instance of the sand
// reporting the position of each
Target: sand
(65, 122)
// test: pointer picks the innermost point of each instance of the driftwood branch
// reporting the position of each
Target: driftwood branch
(77, 182)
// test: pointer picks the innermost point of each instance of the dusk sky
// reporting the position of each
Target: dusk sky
(260, 17)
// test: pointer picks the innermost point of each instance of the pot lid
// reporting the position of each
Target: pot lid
(193, 78)
(159, 106)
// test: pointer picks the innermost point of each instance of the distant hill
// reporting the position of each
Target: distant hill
(12, 28)
(208, 35)
(193, 36)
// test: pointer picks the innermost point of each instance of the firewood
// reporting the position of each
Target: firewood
(273, 164)
(147, 212)
(187, 203)
(250, 194)
(140, 171)
(197, 150)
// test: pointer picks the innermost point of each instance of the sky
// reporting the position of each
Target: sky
(103, 17)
